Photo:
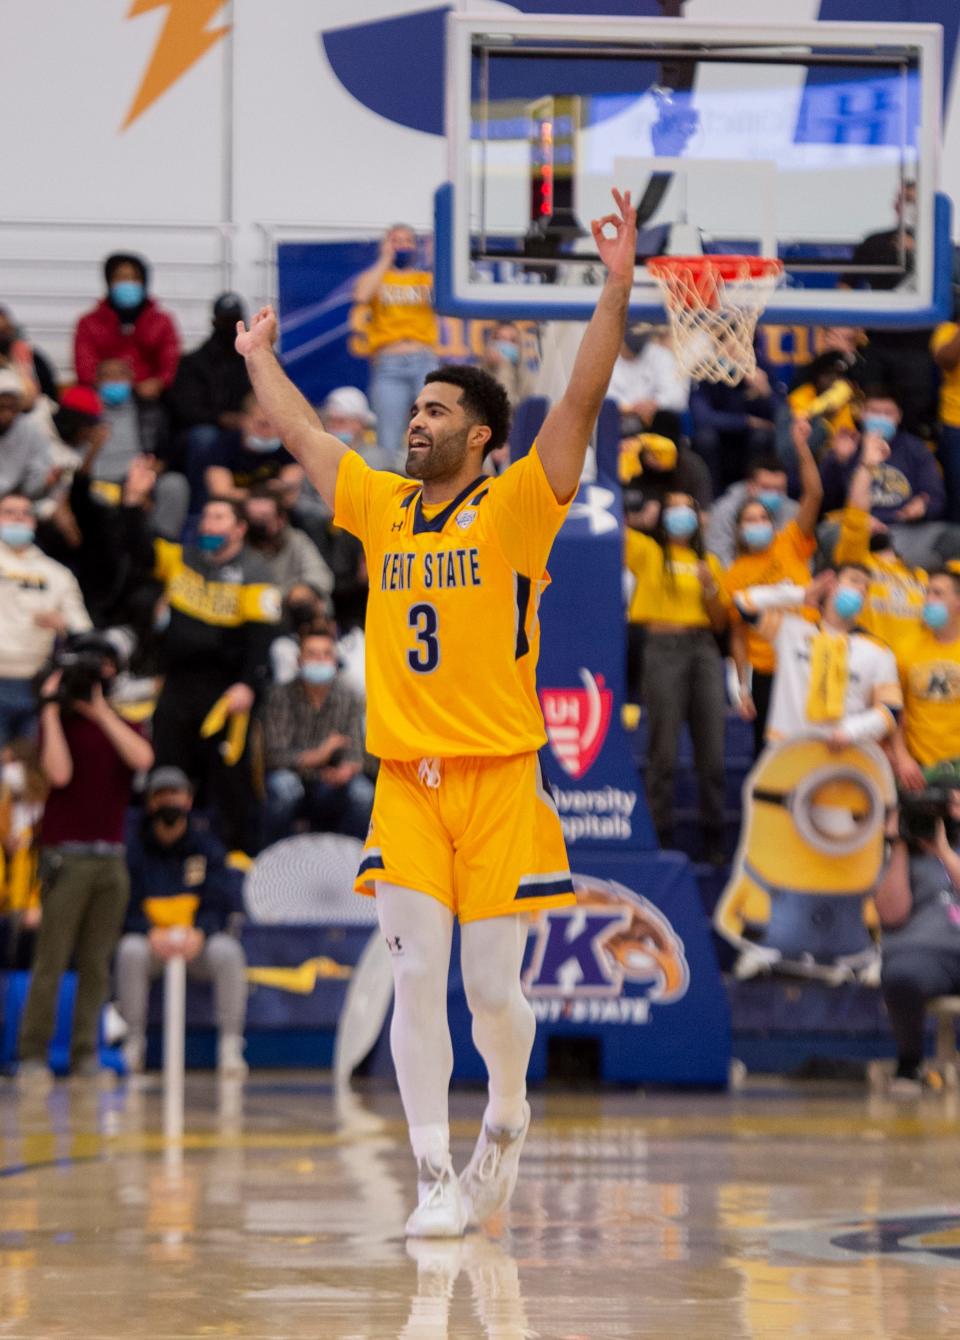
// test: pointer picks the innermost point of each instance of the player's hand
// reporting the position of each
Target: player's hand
(876, 449)
(914, 510)
(618, 253)
(388, 252)
(262, 333)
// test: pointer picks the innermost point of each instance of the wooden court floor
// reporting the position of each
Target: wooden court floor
(781, 1211)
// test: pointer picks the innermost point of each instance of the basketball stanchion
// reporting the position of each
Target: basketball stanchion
(174, 1027)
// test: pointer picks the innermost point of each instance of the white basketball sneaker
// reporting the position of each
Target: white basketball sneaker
(440, 1212)
(488, 1179)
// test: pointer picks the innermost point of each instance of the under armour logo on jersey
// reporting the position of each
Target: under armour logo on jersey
(397, 525)
(394, 945)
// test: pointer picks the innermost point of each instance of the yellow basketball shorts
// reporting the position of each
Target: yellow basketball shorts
(481, 835)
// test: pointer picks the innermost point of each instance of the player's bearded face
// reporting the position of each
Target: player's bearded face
(436, 453)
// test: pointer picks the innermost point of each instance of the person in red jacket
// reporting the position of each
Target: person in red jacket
(128, 324)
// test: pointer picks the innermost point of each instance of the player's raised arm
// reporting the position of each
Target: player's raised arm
(293, 417)
(562, 442)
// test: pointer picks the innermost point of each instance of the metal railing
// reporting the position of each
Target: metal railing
(51, 272)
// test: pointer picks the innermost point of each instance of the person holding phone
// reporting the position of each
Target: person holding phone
(316, 760)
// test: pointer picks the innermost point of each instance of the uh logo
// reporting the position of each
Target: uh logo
(577, 721)
(611, 937)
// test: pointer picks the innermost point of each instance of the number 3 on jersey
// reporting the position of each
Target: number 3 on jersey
(425, 657)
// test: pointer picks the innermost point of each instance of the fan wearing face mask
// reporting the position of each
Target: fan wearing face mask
(679, 598)
(927, 745)
(831, 680)
(907, 494)
(213, 651)
(250, 457)
(128, 323)
(765, 557)
(895, 598)
(401, 331)
(504, 358)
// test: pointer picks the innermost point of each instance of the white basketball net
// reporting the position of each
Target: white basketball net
(713, 310)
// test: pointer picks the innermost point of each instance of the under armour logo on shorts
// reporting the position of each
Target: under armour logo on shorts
(394, 945)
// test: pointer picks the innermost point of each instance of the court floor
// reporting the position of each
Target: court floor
(781, 1211)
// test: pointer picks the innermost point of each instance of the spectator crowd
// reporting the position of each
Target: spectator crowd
(182, 625)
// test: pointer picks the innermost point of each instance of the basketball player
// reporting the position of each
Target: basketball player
(462, 823)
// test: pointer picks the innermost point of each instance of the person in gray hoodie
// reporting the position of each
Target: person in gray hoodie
(766, 482)
(24, 446)
(123, 442)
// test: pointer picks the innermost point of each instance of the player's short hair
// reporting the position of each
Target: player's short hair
(481, 395)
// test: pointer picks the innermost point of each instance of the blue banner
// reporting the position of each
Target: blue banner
(595, 782)
(631, 968)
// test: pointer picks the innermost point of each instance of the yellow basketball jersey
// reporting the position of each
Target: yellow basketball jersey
(452, 629)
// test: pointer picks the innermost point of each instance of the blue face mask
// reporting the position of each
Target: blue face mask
(848, 602)
(680, 522)
(511, 352)
(403, 258)
(757, 534)
(771, 500)
(211, 544)
(262, 445)
(343, 436)
(127, 293)
(879, 423)
(317, 672)
(115, 393)
(935, 615)
(16, 534)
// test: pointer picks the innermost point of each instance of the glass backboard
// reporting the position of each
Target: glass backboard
(798, 142)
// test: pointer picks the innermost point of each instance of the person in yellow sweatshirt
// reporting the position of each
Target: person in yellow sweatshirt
(401, 334)
(679, 597)
(927, 744)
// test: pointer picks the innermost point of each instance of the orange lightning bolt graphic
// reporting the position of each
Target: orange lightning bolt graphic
(184, 39)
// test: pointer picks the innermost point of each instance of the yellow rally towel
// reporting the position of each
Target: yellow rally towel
(237, 724)
(179, 910)
(828, 677)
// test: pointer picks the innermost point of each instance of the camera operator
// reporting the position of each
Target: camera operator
(89, 757)
(918, 902)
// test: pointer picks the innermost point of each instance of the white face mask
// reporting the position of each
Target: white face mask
(909, 214)
(14, 777)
